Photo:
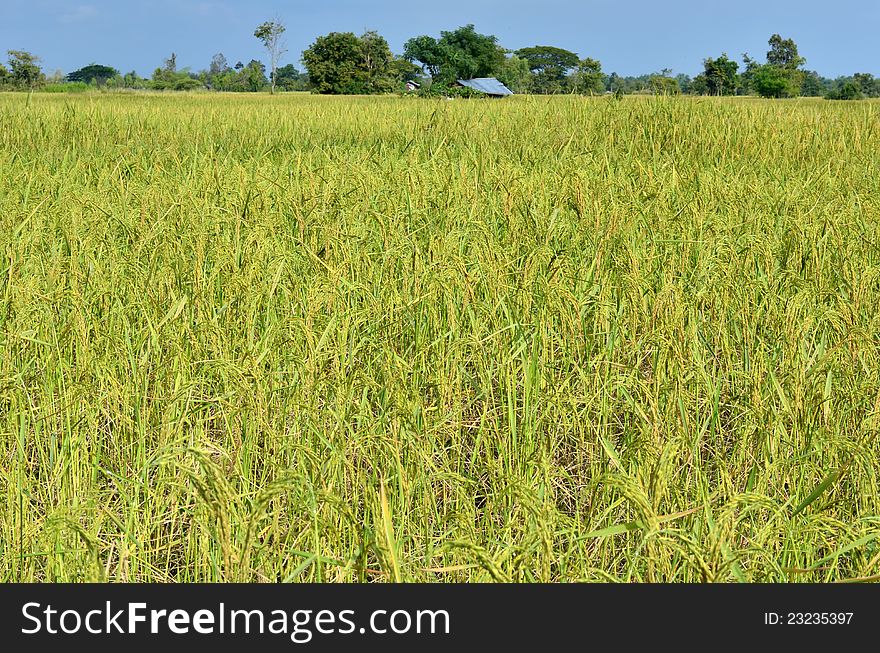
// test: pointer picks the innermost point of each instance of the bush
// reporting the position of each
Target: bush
(444, 90)
(66, 87)
(849, 91)
(187, 84)
(775, 82)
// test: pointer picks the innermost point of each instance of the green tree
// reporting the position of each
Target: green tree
(165, 77)
(168, 78)
(271, 34)
(404, 71)
(782, 75)
(868, 84)
(664, 85)
(96, 73)
(516, 75)
(25, 69)
(811, 84)
(783, 53)
(718, 77)
(219, 65)
(588, 78)
(684, 82)
(615, 83)
(847, 91)
(253, 76)
(379, 74)
(334, 64)
(290, 79)
(342, 63)
(133, 80)
(746, 78)
(550, 66)
(460, 54)
(772, 82)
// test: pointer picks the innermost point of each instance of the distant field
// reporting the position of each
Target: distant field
(254, 338)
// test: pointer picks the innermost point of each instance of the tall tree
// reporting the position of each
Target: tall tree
(25, 68)
(460, 54)
(773, 82)
(550, 66)
(868, 84)
(812, 86)
(588, 78)
(782, 75)
(343, 63)
(271, 34)
(219, 65)
(718, 77)
(290, 79)
(784, 53)
(377, 59)
(253, 76)
(515, 74)
(93, 73)
(664, 83)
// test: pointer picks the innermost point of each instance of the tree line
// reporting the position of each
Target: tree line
(345, 63)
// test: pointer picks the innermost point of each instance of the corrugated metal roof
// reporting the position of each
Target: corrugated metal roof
(487, 85)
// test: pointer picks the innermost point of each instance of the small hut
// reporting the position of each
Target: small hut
(488, 85)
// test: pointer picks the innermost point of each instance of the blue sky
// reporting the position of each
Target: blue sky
(628, 36)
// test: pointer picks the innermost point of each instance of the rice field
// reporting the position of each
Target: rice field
(316, 339)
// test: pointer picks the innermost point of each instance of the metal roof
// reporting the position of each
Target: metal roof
(487, 85)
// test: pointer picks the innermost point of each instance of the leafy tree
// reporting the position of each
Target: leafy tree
(481, 51)
(168, 78)
(133, 80)
(811, 85)
(334, 63)
(557, 62)
(403, 70)
(746, 78)
(5, 77)
(665, 85)
(781, 76)
(461, 54)
(867, 84)
(588, 78)
(847, 91)
(515, 74)
(550, 66)
(772, 82)
(93, 73)
(342, 63)
(783, 53)
(684, 82)
(718, 77)
(290, 79)
(271, 34)
(427, 51)
(377, 63)
(219, 65)
(253, 76)
(25, 69)
(614, 83)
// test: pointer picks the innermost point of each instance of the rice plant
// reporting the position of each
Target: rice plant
(296, 338)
